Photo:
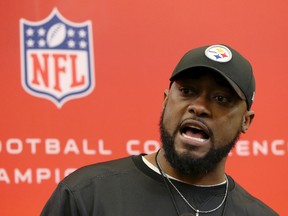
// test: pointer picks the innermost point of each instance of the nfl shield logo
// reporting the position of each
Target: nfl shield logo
(57, 58)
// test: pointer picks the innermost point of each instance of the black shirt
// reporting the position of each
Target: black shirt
(127, 187)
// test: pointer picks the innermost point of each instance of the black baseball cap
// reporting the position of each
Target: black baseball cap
(227, 62)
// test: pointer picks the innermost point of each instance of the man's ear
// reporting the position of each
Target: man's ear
(166, 93)
(247, 120)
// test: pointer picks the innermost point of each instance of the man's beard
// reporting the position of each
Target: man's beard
(185, 163)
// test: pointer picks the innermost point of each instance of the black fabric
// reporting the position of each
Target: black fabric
(127, 187)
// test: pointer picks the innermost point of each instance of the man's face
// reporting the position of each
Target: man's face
(201, 121)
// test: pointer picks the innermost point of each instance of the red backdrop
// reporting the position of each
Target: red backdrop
(134, 47)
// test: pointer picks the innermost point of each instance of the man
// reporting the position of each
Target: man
(205, 110)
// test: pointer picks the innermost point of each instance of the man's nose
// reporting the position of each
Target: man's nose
(200, 106)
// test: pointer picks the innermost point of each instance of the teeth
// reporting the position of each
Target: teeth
(194, 127)
(194, 138)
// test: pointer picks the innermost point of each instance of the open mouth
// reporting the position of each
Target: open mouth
(194, 133)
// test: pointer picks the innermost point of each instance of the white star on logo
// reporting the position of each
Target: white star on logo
(30, 43)
(82, 33)
(71, 43)
(41, 31)
(70, 33)
(30, 32)
(82, 44)
(41, 43)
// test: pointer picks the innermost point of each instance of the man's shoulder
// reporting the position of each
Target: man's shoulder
(244, 200)
(98, 172)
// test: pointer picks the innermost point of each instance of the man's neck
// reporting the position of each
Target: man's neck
(215, 177)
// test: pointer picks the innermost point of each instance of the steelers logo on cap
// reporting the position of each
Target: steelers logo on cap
(218, 53)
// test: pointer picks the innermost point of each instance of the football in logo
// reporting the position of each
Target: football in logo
(57, 58)
(56, 35)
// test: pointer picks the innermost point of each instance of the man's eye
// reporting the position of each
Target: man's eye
(221, 99)
(185, 91)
